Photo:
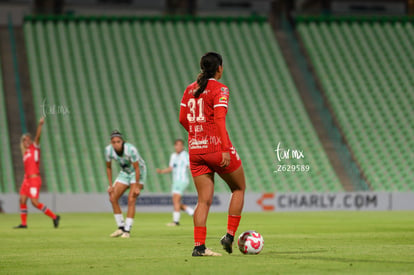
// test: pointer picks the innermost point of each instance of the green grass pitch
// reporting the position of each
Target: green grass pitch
(295, 243)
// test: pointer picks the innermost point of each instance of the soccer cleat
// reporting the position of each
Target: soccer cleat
(125, 235)
(117, 233)
(227, 243)
(173, 224)
(56, 221)
(20, 226)
(204, 252)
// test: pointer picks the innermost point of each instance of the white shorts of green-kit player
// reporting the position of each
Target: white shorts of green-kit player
(178, 187)
(129, 178)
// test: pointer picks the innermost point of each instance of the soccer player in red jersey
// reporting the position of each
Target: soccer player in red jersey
(203, 114)
(31, 183)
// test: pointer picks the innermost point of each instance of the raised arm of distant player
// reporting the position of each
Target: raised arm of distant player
(39, 131)
(165, 170)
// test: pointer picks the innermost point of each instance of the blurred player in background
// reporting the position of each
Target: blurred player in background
(203, 114)
(132, 176)
(32, 182)
(179, 164)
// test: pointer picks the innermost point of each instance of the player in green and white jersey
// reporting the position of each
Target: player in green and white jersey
(179, 164)
(133, 174)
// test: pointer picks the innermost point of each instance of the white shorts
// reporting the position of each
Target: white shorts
(178, 187)
(129, 179)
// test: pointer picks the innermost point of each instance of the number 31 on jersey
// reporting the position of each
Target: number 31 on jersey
(192, 116)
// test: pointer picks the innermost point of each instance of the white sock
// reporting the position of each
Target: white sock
(128, 224)
(176, 216)
(119, 219)
(189, 211)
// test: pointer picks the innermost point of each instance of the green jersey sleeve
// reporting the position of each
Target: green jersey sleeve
(134, 154)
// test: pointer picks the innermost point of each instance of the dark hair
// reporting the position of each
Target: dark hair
(179, 140)
(116, 133)
(209, 65)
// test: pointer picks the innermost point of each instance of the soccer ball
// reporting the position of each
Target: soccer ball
(250, 242)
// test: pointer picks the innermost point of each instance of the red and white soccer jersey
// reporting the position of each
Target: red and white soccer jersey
(31, 183)
(206, 132)
(203, 134)
(31, 160)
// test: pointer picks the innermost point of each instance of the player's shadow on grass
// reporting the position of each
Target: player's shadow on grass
(302, 255)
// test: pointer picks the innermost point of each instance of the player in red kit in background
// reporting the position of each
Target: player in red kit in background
(203, 114)
(31, 183)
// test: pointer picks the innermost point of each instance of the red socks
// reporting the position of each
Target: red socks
(46, 210)
(232, 224)
(40, 206)
(23, 213)
(200, 233)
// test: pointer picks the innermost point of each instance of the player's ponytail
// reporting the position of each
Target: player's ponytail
(209, 65)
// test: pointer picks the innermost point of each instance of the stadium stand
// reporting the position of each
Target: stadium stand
(365, 67)
(7, 183)
(130, 73)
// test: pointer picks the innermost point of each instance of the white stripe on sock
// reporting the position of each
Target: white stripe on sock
(128, 224)
(176, 216)
(189, 210)
(119, 219)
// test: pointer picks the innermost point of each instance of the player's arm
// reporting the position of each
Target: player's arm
(137, 175)
(220, 121)
(183, 113)
(165, 170)
(137, 171)
(109, 175)
(220, 112)
(169, 168)
(183, 118)
(39, 131)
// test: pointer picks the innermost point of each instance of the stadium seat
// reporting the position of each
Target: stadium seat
(7, 183)
(366, 70)
(130, 75)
